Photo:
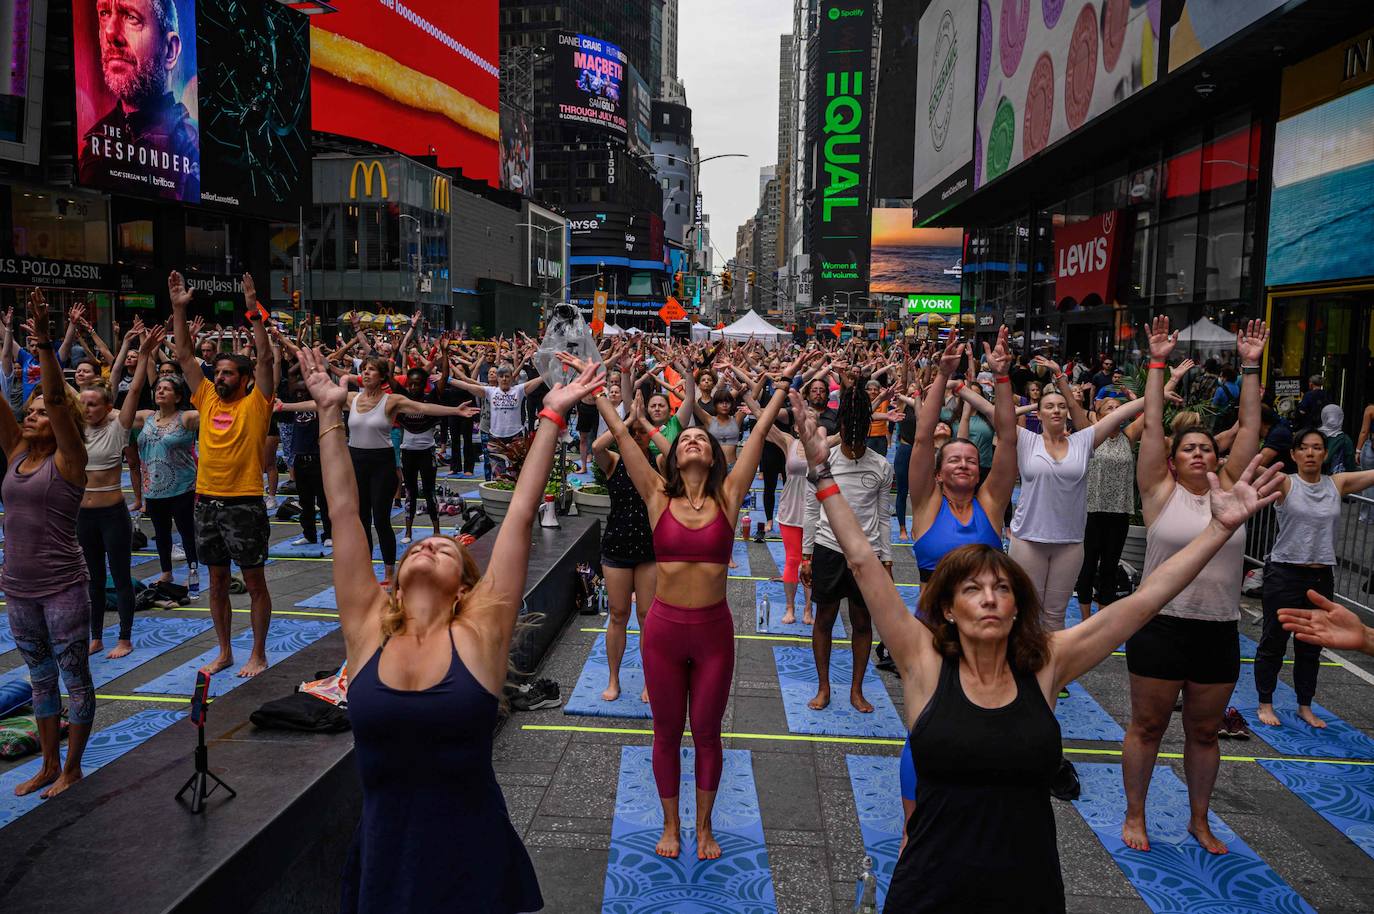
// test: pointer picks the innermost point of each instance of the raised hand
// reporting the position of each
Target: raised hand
(323, 390)
(998, 356)
(1330, 624)
(1049, 364)
(37, 324)
(250, 291)
(77, 314)
(176, 289)
(197, 324)
(152, 340)
(949, 358)
(1250, 341)
(1162, 342)
(7, 318)
(1181, 369)
(1231, 508)
(813, 439)
(562, 397)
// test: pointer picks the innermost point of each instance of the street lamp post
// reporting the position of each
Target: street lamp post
(544, 294)
(419, 257)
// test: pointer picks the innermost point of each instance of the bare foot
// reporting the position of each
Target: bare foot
(859, 702)
(253, 667)
(612, 692)
(1312, 720)
(64, 780)
(822, 699)
(788, 617)
(223, 661)
(708, 848)
(901, 534)
(122, 648)
(1267, 716)
(96, 647)
(1203, 833)
(1133, 833)
(43, 778)
(733, 564)
(644, 695)
(808, 619)
(670, 844)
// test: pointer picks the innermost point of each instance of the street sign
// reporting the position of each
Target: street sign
(932, 304)
(672, 311)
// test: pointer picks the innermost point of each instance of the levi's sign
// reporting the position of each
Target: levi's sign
(1085, 260)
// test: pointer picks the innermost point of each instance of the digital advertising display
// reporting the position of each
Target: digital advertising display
(22, 38)
(641, 112)
(946, 68)
(420, 76)
(894, 121)
(590, 83)
(254, 87)
(1047, 68)
(137, 118)
(906, 259)
(517, 150)
(840, 214)
(1204, 24)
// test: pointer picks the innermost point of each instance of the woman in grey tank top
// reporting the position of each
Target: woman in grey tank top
(45, 575)
(1303, 558)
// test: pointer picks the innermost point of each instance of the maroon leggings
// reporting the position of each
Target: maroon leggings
(687, 651)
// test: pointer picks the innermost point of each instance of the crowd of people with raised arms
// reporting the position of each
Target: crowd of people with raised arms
(1012, 482)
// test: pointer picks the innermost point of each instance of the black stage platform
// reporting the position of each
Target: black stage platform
(119, 842)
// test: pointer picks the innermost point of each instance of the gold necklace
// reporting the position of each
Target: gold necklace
(695, 507)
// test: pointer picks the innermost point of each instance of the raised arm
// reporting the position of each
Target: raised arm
(71, 447)
(399, 404)
(747, 458)
(128, 412)
(1080, 648)
(64, 354)
(1002, 477)
(1250, 342)
(1077, 414)
(1152, 464)
(264, 367)
(689, 393)
(1104, 427)
(647, 482)
(921, 470)
(7, 344)
(181, 333)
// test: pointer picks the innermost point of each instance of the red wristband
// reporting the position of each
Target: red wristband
(828, 491)
(1159, 365)
(1005, 379)
(554, 418)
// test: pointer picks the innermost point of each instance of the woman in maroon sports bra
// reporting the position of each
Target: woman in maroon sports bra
(687, 644)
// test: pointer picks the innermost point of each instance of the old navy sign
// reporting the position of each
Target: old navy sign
(1085, 261)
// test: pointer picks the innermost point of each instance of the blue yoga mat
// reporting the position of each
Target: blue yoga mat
(1176, 874)
(327, 599)
(777, 605)
(638, 881)
(181, 571)
(151, 636)
(6, 639)
(740, 554)
(586, 695)
(103, 747)
(1292, 736)
(797, 678)
(284, 638)
(877, 785)
(284, 549)
(1081, 717)
(779, 554)
(1341, 794)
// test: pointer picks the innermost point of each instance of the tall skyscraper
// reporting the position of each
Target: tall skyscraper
(668, 59)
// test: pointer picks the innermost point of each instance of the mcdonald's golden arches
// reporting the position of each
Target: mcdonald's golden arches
(368, 169)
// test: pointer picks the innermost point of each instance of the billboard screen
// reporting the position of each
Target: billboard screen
(947, 66)
(640, 108)
(137, 121)
(907, 259)
(590, 83)
(1046, 69)
(421, 77)
(517, 150)
(1204, 24)
(254, 90)
(893, 122)
(840, 249)
(1320, 226)
(20, 113)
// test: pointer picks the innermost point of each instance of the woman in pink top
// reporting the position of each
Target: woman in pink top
(1193, 644)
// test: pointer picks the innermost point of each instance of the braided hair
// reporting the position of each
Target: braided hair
(855, 415)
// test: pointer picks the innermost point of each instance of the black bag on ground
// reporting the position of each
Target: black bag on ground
(289, 510)
(139, 542)
(301, 712)
(475, 522)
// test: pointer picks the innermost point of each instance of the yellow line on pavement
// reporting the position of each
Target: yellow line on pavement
(156, 699)
(275, 612)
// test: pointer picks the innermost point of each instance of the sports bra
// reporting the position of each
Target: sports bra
(674, 541)
(948, 534)
(105, 450)
(369, 429)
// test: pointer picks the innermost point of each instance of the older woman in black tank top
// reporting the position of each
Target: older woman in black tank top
(980, 674)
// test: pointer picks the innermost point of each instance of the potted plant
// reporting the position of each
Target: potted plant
(496, 495)
(594, 499)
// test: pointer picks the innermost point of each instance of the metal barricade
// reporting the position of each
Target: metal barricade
(1354, 548)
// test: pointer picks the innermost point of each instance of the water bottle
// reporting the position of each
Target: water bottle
(765, 613)
(866, 890)
(744, 526)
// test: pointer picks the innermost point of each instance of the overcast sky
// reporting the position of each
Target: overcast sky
(728, 59)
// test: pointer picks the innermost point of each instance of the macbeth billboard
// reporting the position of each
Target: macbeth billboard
(946, 69)
(254, 89)
(421, 77)
(590, 83)
(137, 124)
(1046, 69)
(840, 250)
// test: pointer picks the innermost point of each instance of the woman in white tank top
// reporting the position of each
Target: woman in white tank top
(1192, 646)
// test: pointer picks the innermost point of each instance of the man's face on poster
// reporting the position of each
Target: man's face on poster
(138, 47)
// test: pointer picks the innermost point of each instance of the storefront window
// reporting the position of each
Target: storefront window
(1176, 258)
(1225, 252)
(59, 226)
(208, 245)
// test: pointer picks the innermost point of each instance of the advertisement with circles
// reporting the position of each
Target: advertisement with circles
(946, 65)
(1047, 67)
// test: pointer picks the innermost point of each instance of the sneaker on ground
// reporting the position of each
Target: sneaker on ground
(302, 541)
(1233, 725)
(405, 539)
(329, 542)
(178, 553)
(269, 502)
(532, 696)
(1065, 785)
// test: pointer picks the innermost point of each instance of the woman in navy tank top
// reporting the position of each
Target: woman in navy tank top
(428, 660)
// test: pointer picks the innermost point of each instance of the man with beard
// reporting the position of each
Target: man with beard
(147, 132)
(231, 519)
(818, 396)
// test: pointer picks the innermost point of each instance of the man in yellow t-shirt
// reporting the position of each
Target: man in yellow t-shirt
(231, 518)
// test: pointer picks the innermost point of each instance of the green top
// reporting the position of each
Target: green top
(671, 429)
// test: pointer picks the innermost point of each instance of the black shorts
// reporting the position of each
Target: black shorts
(1190, 650)
(232, 529)
(273, 428)
(611, 561)
(831, 579)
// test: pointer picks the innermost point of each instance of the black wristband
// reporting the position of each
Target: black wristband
(815, 476)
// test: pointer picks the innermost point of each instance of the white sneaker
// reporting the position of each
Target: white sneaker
(178, 553)
(329, 544)
(269, 501)
(405, 539)
(300, 541)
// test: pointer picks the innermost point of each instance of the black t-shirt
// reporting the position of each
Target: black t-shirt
(145, 396)
(305, 439)
(906, 428)
(418, 423)
(1280, 438)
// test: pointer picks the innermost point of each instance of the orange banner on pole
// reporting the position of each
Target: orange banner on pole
(837, 329)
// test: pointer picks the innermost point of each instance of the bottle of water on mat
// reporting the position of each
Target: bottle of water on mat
(765, 613)
(867, 890)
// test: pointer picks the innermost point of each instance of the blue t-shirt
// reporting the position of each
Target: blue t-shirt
(1228, 392)
(30, 372)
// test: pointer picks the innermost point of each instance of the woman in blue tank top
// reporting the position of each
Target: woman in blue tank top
(428, 660)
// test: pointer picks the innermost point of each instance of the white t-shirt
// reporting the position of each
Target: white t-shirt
(1053, 507)
(507, 415)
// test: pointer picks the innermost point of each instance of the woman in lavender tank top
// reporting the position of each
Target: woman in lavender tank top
(45, 575)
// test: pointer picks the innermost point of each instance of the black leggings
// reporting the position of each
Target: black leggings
(376, 472)
(773, 465)
(108, 532)
(309, 486)
(463, 453)
(1103, 539)
(419, 464)
(181, 509)
(1287, 585)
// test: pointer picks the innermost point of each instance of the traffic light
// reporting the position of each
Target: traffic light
(680, 284)
(725, 282)
(284, 284)
(751, 277)
(296, 300)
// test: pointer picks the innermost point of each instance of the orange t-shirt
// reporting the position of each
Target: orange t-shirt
(232, 436)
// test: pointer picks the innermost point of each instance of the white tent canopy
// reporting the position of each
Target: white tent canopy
(1206, 333)
(700, 332)
(752, 326)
